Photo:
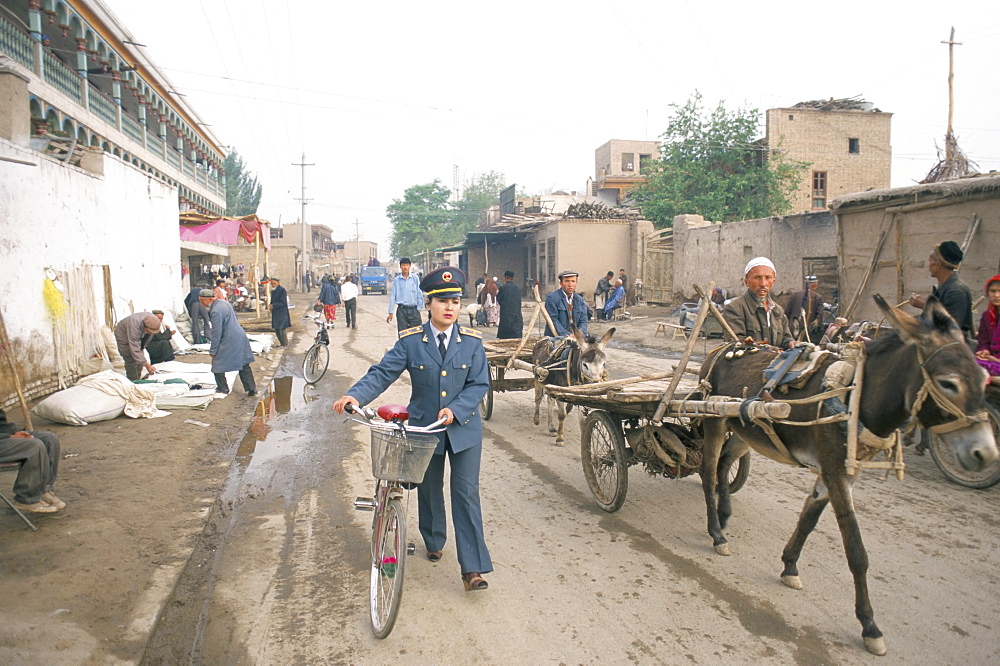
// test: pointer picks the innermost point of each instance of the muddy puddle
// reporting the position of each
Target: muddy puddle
(263, 440)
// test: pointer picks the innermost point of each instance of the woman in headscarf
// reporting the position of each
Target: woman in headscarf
(988, 350)
(488, 299)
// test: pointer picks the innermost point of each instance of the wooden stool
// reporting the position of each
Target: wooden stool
(678, 330)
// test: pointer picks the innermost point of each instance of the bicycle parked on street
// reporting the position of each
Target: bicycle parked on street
(400, 456)
(318, 357)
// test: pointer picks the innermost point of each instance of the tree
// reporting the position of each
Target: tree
(421, 220)
(479, 194)
(710, 164)
(243, 192)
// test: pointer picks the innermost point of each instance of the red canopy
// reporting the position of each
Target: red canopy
(227, 230)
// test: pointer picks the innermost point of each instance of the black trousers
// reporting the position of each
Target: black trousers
(351, 312)
(246, 377)
(407, 316)
(282, 336)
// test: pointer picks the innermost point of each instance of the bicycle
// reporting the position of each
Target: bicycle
(318, 357)
(400, 456)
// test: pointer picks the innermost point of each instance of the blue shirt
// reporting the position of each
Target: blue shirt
(405, 291)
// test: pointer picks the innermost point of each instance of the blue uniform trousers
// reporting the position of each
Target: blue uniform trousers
(467, 514)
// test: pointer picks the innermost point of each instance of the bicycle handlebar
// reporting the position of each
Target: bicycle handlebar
(368, 416)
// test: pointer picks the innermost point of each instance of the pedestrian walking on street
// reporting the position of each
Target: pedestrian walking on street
(329, 298)
(449, 376)
(280, 319)
(509, 298)
(230, 348)
(405, 298)
(349, 295)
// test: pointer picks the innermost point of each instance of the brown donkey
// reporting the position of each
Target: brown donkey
(924, 354)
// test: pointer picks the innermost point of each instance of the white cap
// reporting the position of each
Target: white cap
(759, 261)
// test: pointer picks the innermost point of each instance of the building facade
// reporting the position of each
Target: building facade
(618, 167)
(91, 90)
(845, 143)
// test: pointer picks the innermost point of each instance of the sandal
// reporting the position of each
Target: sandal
(434, 555)
(474, 581)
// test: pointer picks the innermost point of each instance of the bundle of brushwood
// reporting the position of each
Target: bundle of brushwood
(599, 211)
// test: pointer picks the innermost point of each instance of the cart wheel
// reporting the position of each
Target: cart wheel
(738, 473)
(486, 405)
(604, 460)
(952, 468)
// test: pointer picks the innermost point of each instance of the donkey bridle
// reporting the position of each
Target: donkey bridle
(962, 420)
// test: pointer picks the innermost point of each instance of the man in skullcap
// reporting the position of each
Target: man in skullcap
(229, 346)
(950, 291)
(755, 314)
(131, 335)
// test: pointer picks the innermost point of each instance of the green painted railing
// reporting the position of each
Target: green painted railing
(17, 44)
(132, 128)
(102, 105)
(62, 77)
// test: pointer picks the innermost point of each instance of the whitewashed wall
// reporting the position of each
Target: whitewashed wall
(58, 216)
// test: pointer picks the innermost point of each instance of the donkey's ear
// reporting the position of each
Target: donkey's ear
(937, 316)
(903, 323)
(578, 334)
(606, 338)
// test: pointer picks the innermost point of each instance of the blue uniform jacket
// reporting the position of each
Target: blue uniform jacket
(459, 381)
(555, 304)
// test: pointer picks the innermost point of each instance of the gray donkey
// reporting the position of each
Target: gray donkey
(584, 364)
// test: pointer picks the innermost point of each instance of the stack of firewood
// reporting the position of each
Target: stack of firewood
(599, 211)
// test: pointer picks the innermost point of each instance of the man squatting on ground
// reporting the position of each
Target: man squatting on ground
(38, 453)
(449, 376)
(130, 336)
(405, 298)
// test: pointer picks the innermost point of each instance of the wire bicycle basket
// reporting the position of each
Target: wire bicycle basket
(399, 456)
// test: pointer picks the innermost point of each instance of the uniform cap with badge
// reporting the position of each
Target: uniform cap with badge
(446, 282)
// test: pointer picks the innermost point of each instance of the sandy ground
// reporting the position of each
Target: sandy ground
(239, 544)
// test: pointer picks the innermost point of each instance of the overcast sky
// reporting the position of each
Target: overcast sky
(384, 95)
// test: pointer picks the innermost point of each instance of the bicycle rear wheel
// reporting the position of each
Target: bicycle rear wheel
(315, 363)
(947, 460)
(388, 567)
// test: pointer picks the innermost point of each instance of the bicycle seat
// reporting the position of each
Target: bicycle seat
(395, 413)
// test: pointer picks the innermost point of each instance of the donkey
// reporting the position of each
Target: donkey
(926, 353)
(584, 365)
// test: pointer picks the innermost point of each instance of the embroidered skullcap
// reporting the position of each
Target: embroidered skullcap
(811, 279)
(206, 293)
(759, 261)
(508, 273)
(950, 254)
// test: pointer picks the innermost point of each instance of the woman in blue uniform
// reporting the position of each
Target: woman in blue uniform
(449, 377)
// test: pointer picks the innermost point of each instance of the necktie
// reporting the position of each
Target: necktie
(441, 347)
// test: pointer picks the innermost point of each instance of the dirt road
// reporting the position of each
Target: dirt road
(281, 575)
(238, 543)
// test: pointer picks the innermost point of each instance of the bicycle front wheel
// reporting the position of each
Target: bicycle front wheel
(388, 567)
(947, 460)
(315, 362)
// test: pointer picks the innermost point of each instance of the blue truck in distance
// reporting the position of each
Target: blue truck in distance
(374, 280)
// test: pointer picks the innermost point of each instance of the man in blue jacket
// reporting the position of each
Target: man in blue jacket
(449, 377)
(280, 319)
(566, 307)
(230, 348)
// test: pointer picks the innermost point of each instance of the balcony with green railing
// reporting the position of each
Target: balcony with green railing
(17, 44)
(64, 79)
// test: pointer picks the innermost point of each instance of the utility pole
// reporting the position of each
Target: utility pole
(357, 240)
(302, 221)
(951, 93)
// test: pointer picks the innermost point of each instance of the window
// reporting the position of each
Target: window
(854, 146)
(819, 189)
(552, 259)
(644, 162)
(628, 161)
(791, 116)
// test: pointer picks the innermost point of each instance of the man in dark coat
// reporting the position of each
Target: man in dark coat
(509, 298)
(953, 294)
(158, 345)
(804, 310)
(279, 312)
(230, 348)
(200, 324)
(755, 314)
(131, 335)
